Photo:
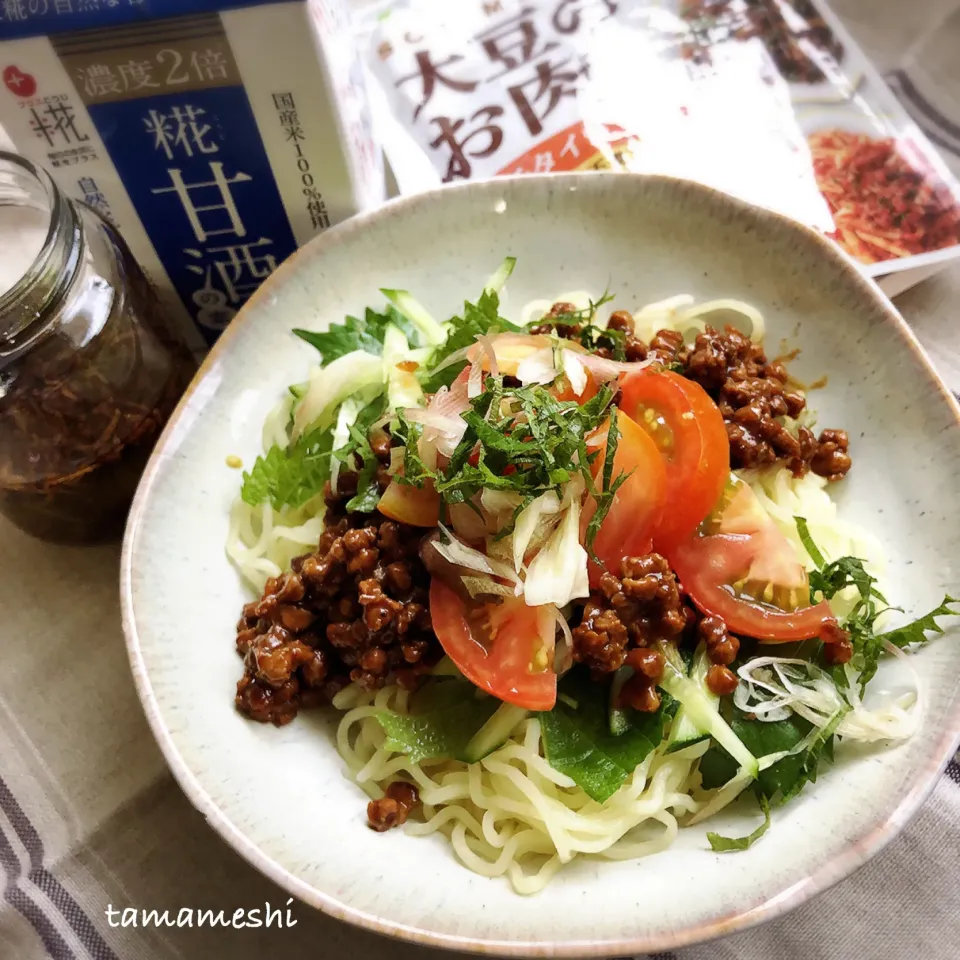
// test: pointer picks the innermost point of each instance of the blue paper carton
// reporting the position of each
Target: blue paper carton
(217, 136)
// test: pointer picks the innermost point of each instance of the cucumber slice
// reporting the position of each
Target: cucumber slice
(692, 751)
(403, 388)
(417, 314)
(703, 712)
(496, 282)
(684, 732)
(495, 732)
(330, 385)
(395, 345)
(723, 796)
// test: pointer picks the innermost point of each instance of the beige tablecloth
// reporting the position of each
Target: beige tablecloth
(89, 817)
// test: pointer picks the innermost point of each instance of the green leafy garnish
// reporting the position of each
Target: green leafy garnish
(358, 446)
(577, 740)
(594, 338)
(354, 334)
(802, 746)
(291, 476)
(830, 578)
(408, 329)
(608, 488)
(784, 779)
(762, 739)
(833, 577)
(804, 531)
(527, 442)
(716, 767)
(727, 844)
(478, 319)
(917, 631)
(453, 717)
(820, 746)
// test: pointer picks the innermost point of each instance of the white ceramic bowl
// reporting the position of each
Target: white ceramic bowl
(278, 795)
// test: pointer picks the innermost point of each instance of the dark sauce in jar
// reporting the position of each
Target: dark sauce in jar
(82, 406)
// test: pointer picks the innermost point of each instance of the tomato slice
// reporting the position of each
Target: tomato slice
(709, 566)
(505, 648)
(418, 506)
(746, 571)
(689, 432)
(627, 529)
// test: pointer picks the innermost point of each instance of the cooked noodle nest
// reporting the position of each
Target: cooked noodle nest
(511, 814)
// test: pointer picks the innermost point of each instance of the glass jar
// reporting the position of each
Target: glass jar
(89, 370)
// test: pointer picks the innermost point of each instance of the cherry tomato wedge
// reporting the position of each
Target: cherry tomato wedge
(628, 527)
(418, 506)
(562, 390)
(709, 566)
(505, 649)
(689, 432)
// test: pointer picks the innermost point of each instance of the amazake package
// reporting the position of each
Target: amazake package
(217, 136)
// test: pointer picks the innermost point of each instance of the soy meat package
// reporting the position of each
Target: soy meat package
(769, 100)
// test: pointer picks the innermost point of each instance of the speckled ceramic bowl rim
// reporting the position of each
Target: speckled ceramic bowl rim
(854, 855)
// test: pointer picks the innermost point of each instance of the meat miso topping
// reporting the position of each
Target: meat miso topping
(721, 680)
(392, 809)
(353, 610)
(637, 609)
(837, 648)
(753, 396)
